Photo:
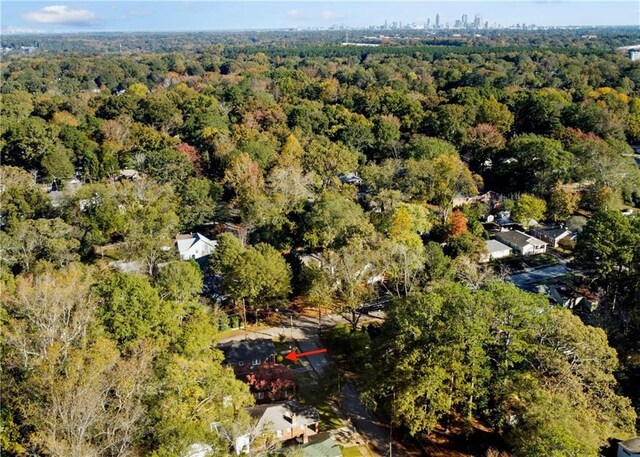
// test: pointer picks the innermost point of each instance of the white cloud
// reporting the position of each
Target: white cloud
(62, 15)
(296, 14)
(11, 29)
(329, 15)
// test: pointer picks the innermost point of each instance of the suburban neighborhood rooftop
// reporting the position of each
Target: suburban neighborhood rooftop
(282, 415)
(519, 238)
(239, 351)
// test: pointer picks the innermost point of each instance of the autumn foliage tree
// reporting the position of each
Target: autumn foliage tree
(276, 381)
(191, 153)
(456, 223)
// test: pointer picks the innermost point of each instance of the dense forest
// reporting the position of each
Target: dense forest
(282, 148)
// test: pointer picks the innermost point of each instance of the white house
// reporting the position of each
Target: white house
(495, 250)
(629, 448)
(194, 246)
(522, 243)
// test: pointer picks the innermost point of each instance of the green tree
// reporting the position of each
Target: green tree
(21, 198)
(198, 400)
(258, 275)
(421, 147)
(130, 308)
(493, 112)
(168, 166)
(346, 278)
(333, 220)
(199, 203)
(533, 163)
(439, 180)
(607, 247)
(561, 204)
(151, 222)
(527, 208)
(179, 281)
(32, 240)
(503, 354)
(97, 212)
(328, 159)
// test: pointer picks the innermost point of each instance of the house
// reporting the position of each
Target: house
(198, 450)
(194, 246)
(286, 421)
(243, 356)
(489, 198)
(552, 234)
(322, 445)
(495, 250)
(572, 299)
(350, 178)
(522, 243)
(629, 447)
(129, 173)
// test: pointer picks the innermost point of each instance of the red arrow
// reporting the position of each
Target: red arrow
(293, 355)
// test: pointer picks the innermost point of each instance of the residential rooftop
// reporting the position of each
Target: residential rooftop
(279, 416)
(519, 238)
(632, 445)
(241, 351)
(496, 246)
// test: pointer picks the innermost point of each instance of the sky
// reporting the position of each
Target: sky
(194, 15)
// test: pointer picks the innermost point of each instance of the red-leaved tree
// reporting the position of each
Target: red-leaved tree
(192, 154)
(276, 381)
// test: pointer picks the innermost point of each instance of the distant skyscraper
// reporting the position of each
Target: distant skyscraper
(477, 21)
(437, 21)
(465, 20)
(428, 22)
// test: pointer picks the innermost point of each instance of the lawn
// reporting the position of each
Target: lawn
(540, 260)
(109, 252)
(356, 451)
(315, 395)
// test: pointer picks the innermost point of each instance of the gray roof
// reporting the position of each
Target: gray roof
(519, 239)
(496, 246)
(632, 445)
(553, 232)
(242, 351)
(280, 416)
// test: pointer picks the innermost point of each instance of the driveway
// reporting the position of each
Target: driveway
(376, 432)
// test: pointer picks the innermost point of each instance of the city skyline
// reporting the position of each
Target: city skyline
(93, 16)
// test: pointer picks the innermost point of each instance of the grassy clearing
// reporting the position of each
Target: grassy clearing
(315, 395)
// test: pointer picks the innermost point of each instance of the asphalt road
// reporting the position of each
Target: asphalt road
(526, 279)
